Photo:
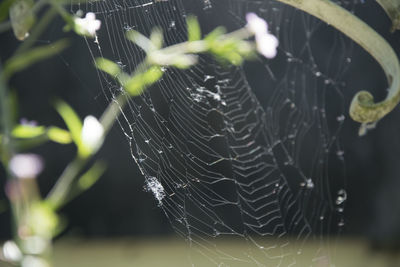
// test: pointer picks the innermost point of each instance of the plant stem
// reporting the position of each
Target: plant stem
(6, 146)
(62, 187)
(58, 195)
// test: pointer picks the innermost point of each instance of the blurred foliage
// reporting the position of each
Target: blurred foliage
(21, 17)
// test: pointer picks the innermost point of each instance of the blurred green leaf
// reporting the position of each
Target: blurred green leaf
(234, 58)
(26, 59)
(42, 220)
(32, 136)
(193, 28)
(246, 49)
(59, 135)
(184, 61)
(108, 66)
(231, 51)
(4, 9)
(89, 178)
(139, 82)
(22, 18)
(152, 75)
(28, 131)
(135, 85)
(157, 38)
(74, 124)
(214, 35)
(140, 40)
(112, 69)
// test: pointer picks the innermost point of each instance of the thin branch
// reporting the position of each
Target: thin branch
(59, 193)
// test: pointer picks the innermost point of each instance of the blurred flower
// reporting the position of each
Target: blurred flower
(266, 42)
(255, 24)
(26, 166)
(11, 251)
(25, 121)
(87, 26)
(92, 133)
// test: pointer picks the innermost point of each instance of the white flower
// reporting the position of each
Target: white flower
(87, 26)
(26, 166)
(92, 133)
(266, 42)
(255, 24)
(11, 251)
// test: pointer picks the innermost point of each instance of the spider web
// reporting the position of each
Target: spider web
(248, 153)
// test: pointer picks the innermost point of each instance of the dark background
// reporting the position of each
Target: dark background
(119, 206)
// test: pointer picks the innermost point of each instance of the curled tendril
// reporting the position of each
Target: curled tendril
(363, 109)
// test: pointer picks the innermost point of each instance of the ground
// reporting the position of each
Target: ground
(170, 252)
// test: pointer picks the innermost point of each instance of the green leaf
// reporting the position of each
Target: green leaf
(26, 59)
(74, 125)
(22, 18)
(184, 61)
(31, 136)
(139, 82)
(215, 34)
(140, 40)
(135, 85)
(108, 66)
(42, 219)
(112, 69)
(193, 28)
(89, 178)
(228, 50)
(152, 75)
(157, 38)
(234, 58)
(28, 131)
(59, 135)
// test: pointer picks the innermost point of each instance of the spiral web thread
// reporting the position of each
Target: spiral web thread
(248, 153)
